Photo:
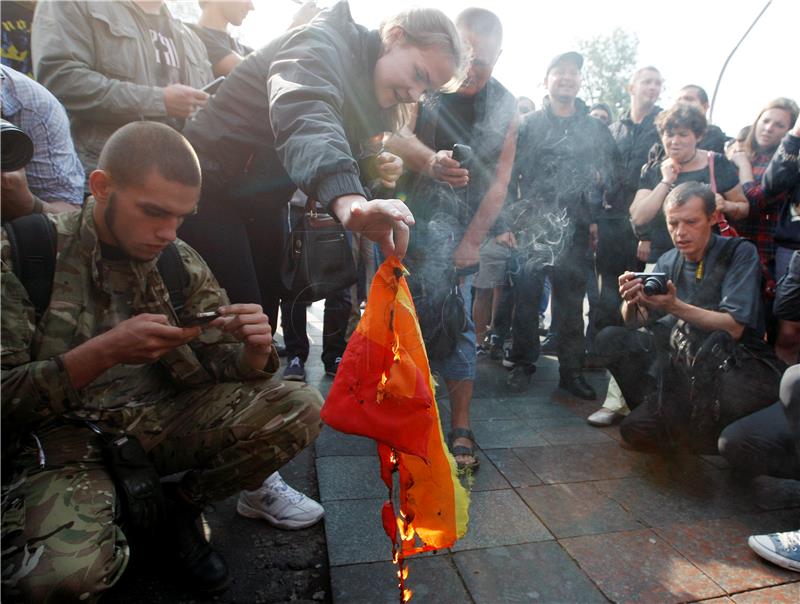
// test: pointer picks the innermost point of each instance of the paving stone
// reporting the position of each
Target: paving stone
(333, 442)
(639, 566)
(571, 431)
(431, 579)
(538, 408)
(500, 518)
(512, 468)
(539, 572)
(570, 510)
(354, 532)
(719, 549)
(487, 408)
(578, 463)
(485, 478)
(659, 500)
(781, 594)
(505, 433)
(343, 477)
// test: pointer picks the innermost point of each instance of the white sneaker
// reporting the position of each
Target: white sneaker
(280, 505)
(604, 417)
(782, 549)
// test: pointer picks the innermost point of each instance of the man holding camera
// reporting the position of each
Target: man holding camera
(702, 364)
(460, 154)
(132, 367)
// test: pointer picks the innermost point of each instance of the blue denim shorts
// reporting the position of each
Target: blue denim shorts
(460, 364)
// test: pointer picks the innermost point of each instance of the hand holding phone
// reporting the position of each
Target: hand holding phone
(201, 318)
(212, 87)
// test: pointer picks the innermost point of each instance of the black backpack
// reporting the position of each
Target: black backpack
(33, 254)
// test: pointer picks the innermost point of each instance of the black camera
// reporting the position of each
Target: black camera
(653, 284)
(462, 154)
(16, 146)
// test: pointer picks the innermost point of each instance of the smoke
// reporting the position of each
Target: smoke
(542, 231)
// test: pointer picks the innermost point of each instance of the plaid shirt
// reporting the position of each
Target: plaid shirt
(759, 226)
(55, 173)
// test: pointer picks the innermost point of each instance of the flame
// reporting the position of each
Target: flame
(407, 595)
(381, 388)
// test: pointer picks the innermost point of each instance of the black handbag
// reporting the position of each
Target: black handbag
(317, 259)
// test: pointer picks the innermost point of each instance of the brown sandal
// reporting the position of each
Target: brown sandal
(463, 451)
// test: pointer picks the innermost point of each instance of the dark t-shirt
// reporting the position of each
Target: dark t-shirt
(740, 291)
(219, 44)
(16, 33)
(726, 176)
(167, 56)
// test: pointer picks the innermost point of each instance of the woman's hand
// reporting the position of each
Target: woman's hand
(669, 171)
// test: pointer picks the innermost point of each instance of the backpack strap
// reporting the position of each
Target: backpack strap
(708, 293)
(33, 255)
(32, 240)
(175, 276)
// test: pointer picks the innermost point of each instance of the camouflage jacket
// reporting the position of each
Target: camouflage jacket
(36, 388)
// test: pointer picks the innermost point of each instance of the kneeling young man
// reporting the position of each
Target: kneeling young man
(712, 285)
(114, 353)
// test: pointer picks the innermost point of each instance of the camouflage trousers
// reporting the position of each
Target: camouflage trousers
(60, 542)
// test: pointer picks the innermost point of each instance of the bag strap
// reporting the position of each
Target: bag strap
(33, 254)
(175, 276)
(33, 246)
(708, 292)
(711, 175)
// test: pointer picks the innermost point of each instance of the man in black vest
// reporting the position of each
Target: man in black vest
(456, 205)
(712, 287)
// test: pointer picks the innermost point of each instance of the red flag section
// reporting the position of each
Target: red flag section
(384, 390)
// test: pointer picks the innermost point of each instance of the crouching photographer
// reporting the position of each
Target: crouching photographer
(700, 363)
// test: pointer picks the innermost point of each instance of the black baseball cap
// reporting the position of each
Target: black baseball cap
(571, 56)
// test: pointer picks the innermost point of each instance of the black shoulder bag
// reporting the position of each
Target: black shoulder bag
(727, 379)
(317, 260)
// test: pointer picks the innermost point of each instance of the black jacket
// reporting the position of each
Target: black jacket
(560, 160)
(783, 174)
(294, 113)
(634, 142)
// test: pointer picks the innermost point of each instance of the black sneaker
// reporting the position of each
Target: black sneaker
(507, 362)
(576, 384)
(332, 368)
(519, 378)
(549, 346)
(495, 347)
(295, 370)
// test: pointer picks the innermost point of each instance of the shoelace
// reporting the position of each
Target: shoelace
(284, 489)
(790, 539)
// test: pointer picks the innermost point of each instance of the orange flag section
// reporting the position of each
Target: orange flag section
(384, 390)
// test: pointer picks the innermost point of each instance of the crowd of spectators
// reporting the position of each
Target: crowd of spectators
(144, 239)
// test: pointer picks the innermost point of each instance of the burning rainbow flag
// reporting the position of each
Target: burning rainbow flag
(384, 390)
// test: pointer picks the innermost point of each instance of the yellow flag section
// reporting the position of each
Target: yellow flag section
(384, 390)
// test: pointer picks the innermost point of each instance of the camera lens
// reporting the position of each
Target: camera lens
(17, 147)
(653, 286)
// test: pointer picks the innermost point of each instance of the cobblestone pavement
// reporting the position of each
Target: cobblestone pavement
(559, 513)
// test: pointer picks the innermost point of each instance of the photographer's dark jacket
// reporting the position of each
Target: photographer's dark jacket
(294, 113)
(561, 159)
(739, 293)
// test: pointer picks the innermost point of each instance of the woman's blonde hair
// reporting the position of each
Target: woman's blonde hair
(425, 28)
(751, 146)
